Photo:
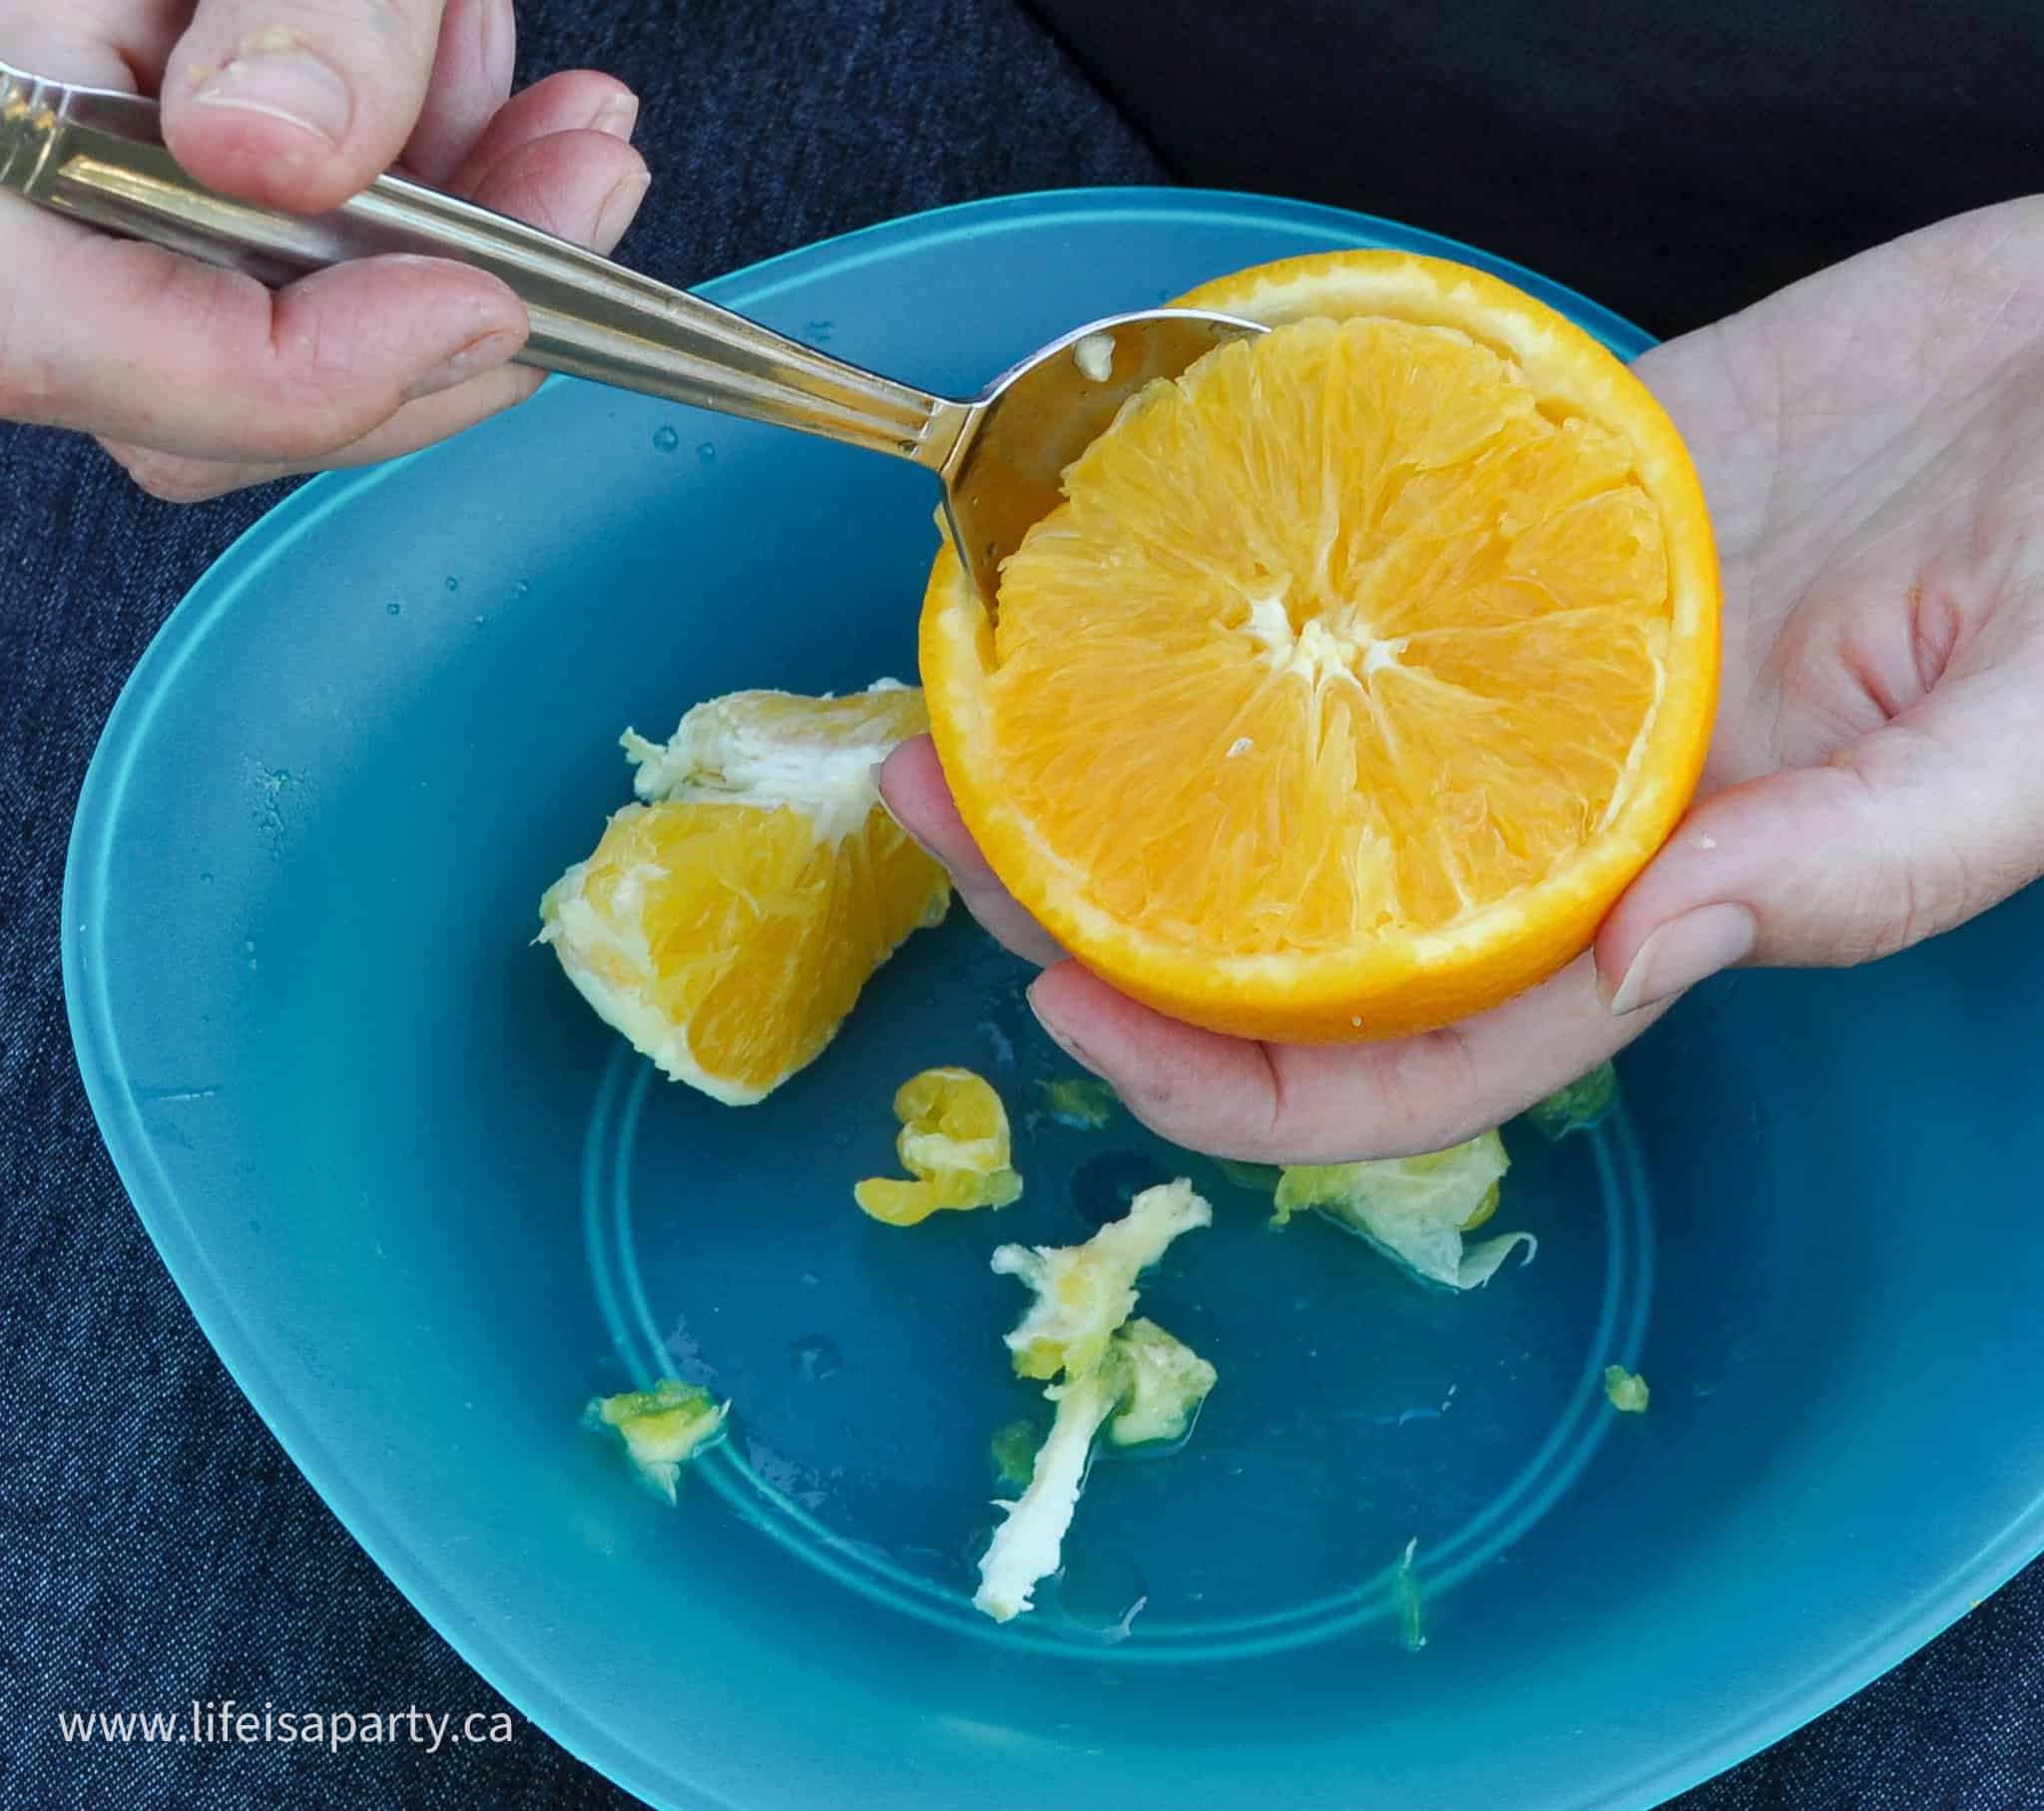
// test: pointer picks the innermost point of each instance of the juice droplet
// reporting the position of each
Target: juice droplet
(706, 450)
(814, 1357)
(393, 608)
(1102, 1593)
(665, 439)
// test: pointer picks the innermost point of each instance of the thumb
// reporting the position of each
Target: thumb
(1901, 834)
(299, 103)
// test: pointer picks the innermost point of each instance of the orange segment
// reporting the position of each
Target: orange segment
(727, 925)
(1359, 668)
(954, 1142)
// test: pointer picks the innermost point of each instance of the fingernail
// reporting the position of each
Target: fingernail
(618, 207)
(893, 817)
(1062, 1039)
(616, 116)
(274, 75)
(1683, 952)
(482, 353)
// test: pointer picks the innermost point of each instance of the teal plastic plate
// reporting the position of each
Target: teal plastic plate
(425, 1205)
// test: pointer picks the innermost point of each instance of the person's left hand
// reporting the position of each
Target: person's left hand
(1871, 442)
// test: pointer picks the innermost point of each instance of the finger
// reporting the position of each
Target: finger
(1902, 833)
(583, 186)
(575, 100)
(470, 81)
(299, 103)
(1333, 1103)
(914, 788)
(588, 185)
(137, 344)
(103, 43)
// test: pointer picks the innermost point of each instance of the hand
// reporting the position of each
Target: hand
(198, 380)
(1871, 442)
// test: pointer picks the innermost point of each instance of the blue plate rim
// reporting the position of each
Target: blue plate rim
(96, 1043)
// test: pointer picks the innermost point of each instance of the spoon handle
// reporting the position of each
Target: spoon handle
(98, 158)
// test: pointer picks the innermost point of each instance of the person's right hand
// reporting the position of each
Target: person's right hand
(198, 380)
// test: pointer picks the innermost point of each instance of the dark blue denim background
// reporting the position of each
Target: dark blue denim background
(154, 1543)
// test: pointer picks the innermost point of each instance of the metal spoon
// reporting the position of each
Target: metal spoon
(99, 156)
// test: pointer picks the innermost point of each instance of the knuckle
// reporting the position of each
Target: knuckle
(1915, 877)
(1423, 1086)
(526, 194)
(315, 399)
(1180, 1113)
(1354, 1103)
(1900, 914)
(287, 410)
(1919, 892)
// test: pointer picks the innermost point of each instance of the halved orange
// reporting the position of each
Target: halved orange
(1358, 672)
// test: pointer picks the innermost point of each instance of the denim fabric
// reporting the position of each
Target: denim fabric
(154, 1542)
